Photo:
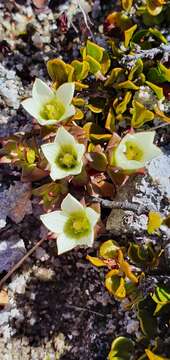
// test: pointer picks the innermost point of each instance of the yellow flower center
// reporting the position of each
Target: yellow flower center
(67, 158)
(133, 152)
(52, 110)
(77, 225)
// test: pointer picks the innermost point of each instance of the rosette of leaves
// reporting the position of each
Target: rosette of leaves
(143, 255)
(24, 153)
(120, 280)
(161, 297)
(121, 349)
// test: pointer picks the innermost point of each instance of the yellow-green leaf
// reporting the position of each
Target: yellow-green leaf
(122, 106)
(79, 115)
(165, 72)
(30, 154)
(94, 109)
(108, 249)
(57, 71)
(128, 84)
(127, 4)
(95, 261)
(128, 34)
(155, 32)
(78, 101)
(152, 356)
(105, 64)
(152, 7)
(81, 69)
(95, 51)
(157, 90)
(94, 64)
(112, 282)
(141, 115)
(154, 222)
(115, 75)
(136, 69)
(120, 293)
(110, 121)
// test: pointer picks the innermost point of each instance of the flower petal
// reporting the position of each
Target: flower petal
(54, 221)
(70, 205)
(41, 92)
(80, 151)
(57, 173)
(65, 92)
(31, 106)
(63, 137)
(70, 111)
(50, 151)
(92, 215)
(144, 140)
(65, 244)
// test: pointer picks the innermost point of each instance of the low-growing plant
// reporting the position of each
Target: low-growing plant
(94, 127)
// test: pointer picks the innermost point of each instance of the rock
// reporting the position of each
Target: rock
(11, 251)
(15, 203)
(151, 191)
(11, 88)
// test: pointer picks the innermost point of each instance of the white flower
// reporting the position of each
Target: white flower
(64, 155)
(135, 150)
(48, 106)
(74, 224)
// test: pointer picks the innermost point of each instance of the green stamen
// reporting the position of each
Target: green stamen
(67, 158)
(133, 152)
(52, 110)
(77, 225)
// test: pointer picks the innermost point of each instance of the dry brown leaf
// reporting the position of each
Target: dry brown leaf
(3, 297)
(22, 203)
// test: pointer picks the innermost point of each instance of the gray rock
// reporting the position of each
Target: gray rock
(151, 191)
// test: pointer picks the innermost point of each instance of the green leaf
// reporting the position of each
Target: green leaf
(164, 71)
(105, 64)
(148, 322)
(129, 33)
(128, 84)
(155, 32)
(155, 75)
(139, 36)
(163, 293)
(122, 106)
(81, 69)
(122, 348)
(157, 90)
(140, 114)
(95, 51)
(30, 154)
(136, 70)
(93, 64)
(57, 71)
(112, 282)
(110, 121)
(115, 76)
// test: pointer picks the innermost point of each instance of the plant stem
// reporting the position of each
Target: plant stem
(124, 205)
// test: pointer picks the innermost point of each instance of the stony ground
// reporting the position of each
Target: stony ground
(57, 305)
